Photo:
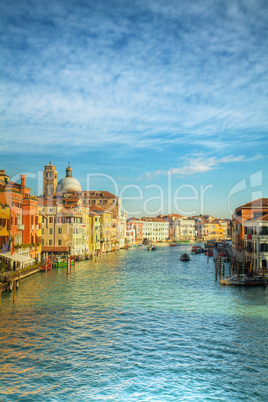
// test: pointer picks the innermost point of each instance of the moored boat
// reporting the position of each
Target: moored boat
(243, 280)
(61, 263)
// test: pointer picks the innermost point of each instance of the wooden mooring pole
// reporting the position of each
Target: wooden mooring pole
(14, 290)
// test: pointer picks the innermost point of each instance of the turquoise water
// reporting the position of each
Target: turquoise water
(136, 326)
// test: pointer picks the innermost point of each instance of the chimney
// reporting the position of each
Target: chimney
(23, 179)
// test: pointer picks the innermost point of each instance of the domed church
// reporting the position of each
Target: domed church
(68, 183)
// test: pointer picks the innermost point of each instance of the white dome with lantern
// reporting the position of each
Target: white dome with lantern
(68, 183)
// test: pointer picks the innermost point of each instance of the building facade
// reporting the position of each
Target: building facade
(242, 214)
(256, 242)
(155, 229)
(24, 223)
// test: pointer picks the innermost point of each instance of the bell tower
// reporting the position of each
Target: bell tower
(50, 177)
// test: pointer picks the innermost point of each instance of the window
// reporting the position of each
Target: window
(43, 231)
(50, 242)
(42, 242)
(264, 247)
(50, 220)
(50, 231)
(59, 242)
(59, 230)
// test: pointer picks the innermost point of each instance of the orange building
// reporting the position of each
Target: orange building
(24, 221)
(242, 214)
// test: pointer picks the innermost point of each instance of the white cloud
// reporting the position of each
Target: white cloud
(145, 75)
(198, 164)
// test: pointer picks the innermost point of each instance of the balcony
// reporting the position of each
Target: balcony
(21, 227)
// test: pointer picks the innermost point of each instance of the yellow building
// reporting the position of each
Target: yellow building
(214, 231)
(105, 224)
(94, 244)
(114, 233)
(4, 218)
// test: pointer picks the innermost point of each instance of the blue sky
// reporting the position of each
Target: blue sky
(142, 91)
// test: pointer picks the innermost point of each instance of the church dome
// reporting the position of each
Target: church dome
(68, 183)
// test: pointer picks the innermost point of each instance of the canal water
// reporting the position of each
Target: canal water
(136, 326)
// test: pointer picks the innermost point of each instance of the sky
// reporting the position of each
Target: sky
(162, 102)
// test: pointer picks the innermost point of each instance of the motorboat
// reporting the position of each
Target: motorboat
(61, 262)
(151, 247)
(185, 257)
(196, 250)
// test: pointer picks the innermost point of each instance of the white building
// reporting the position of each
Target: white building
(186, 229)
(155, 229)
(122, 221)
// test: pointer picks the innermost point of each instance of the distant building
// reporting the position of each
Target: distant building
(155, 229)
(136, 225)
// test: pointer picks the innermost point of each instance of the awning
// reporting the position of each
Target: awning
(51, 249)
(4, 232)
(17, 257)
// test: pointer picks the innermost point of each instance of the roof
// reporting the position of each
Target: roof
(102, 194)
(95, 208)
(175, 216)
(65, 211)
(151, 219)
(259, 203)
(255, 219)
(92, 213)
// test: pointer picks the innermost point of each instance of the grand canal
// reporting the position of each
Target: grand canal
(136, 326)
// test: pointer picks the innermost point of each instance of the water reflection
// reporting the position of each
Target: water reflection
(132, 327)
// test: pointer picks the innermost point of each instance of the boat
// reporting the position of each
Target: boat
(185, 257)
(151, 247)
(61, 263)
(173, 245)
(243, 280)
(196, 250)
